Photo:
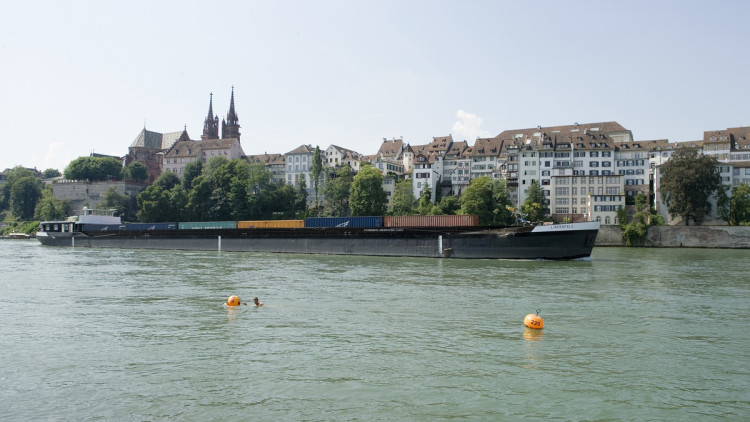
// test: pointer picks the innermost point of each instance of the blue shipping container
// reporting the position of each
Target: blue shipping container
(344, 222)
(101, 227)
(152, 226)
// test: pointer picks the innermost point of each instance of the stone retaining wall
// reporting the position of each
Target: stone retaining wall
(731, 237)
(81, 192)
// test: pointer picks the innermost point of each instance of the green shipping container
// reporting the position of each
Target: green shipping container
(208, 225)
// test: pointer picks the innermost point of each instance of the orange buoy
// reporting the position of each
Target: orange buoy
(534, 321)
(233, 301)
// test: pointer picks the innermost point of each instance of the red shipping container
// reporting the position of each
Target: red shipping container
(431, 221)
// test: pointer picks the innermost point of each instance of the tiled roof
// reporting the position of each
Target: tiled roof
(302, 149)
(390, 148)
(156, 140)
(487, 147)
(190, 148)
(604, 127)
(147, 139)
(268, 159)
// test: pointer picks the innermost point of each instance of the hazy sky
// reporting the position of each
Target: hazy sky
(83, 76)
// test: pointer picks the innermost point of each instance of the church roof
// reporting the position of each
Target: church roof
(156, 140)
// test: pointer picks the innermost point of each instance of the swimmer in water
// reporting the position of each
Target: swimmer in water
(257, 302)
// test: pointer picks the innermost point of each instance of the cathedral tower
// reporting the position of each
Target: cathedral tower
(230, 128)
(211, 124)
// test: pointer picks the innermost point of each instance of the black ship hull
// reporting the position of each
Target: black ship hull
(564, 241)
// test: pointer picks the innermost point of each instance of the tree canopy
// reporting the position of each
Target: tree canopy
(489, 200)
(94, 169)
(24, 195)
(50, 173)
(119, 202)
(13, 175)
(220, 190)
(688, 180)
(49, 208)
(535, 204)
(135, 171)
(735, 209)
(403, 202)
(424, 203)
(336, 189)
(315, 171)
(634, 231)
(367, 194)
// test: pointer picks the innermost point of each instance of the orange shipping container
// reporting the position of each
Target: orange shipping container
(271, 224)
(431, 221)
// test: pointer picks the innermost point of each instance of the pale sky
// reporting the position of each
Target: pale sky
(83, 76)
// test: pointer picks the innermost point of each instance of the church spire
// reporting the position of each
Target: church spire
(211, 124)
(230, 128)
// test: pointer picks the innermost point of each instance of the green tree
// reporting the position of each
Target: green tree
(259, 179)
(94, 169)
(634, 231)
(120, 202)
(178, 199)
(135, 171)
(50, 208)
(199, 199)
(167, 180)
(448, 205)
(403, 202)
(534, 206)
(735, 209)
(424, 205)
(687, 182)
(13, 175)
(192, 170)
(50, 173)
(154, 205)
(367, 194)
(489, 200)
(24, 194)
(336, 189)
(315, 171)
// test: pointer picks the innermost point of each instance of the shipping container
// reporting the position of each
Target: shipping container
(101, 227)
(431, 221)
(196, 225)
(151, 226)
(344, 222)
(271, 224)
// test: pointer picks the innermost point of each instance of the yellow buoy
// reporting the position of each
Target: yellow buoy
(533, 321)
(233, 301)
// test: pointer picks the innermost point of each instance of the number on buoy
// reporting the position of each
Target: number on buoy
(233, 301)
(534, 321)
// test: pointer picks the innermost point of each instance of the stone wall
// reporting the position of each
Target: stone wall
(730, 237)
(81, 193)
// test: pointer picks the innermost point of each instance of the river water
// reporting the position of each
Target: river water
(630, 334)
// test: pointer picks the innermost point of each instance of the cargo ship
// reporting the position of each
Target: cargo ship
(451, 236)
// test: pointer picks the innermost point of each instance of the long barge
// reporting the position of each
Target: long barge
(557, 241)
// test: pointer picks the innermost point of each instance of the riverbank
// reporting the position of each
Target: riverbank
(729, 237)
